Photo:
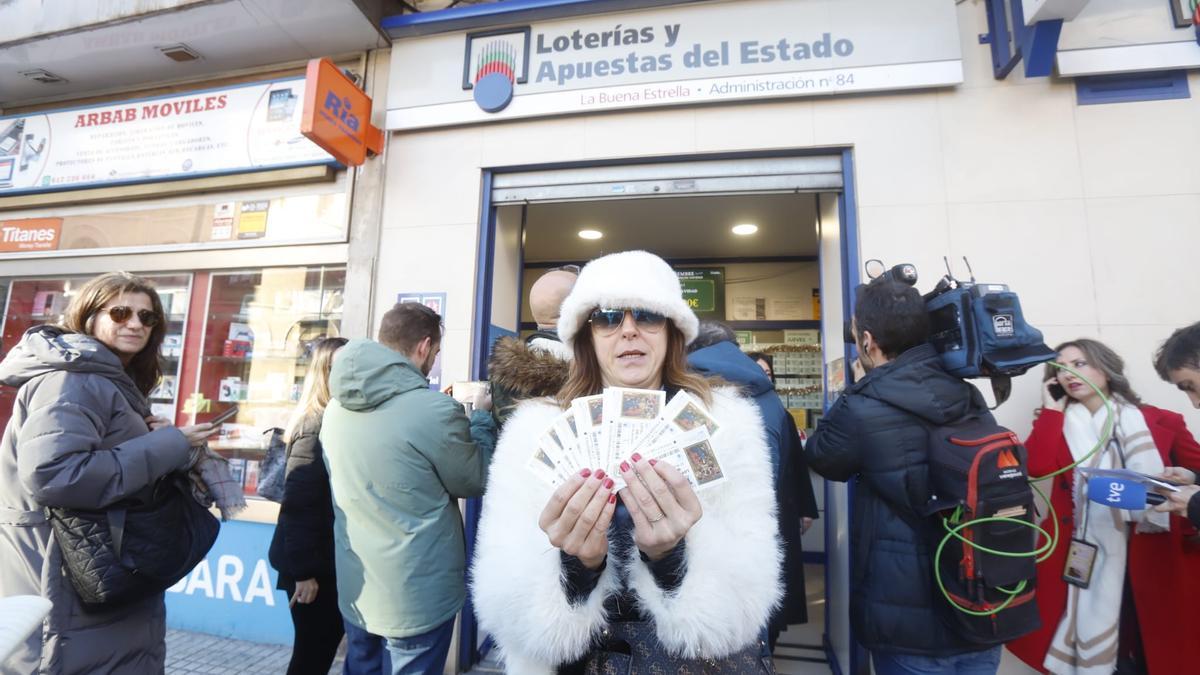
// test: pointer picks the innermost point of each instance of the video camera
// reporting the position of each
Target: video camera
(978, 329)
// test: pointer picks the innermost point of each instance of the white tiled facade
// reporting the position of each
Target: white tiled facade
(1090, 212)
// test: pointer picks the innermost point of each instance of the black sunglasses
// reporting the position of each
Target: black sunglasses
(607, 321)
(123, 313)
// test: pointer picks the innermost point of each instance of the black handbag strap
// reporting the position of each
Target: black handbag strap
(116, 527)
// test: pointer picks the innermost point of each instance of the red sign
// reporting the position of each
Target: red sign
(30, 234)
(337, 115)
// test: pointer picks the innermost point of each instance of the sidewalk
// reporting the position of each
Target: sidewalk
(798, 651)
(200, 654)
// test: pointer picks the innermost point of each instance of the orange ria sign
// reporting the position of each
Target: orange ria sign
(30, 234)
(337, 115)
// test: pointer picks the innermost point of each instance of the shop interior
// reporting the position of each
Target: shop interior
(750, 260)
(234, 339)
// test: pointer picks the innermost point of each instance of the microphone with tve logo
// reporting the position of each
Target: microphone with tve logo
(1121, 493)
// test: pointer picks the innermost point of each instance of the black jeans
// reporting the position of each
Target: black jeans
(319, 631)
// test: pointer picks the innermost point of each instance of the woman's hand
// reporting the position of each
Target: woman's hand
(1177, 501)
(306, 592)
(155, 422)
(577, 516)
(663, 505)
(1048, 400)
(1178, 474)
(197, 434)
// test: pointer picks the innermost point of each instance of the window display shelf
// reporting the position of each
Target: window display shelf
(263, 402)
(298, 360)
(259, 325)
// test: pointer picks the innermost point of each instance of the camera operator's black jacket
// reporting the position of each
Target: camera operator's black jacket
(878, 430)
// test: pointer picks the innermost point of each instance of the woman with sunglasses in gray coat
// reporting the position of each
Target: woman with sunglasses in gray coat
(81, 436)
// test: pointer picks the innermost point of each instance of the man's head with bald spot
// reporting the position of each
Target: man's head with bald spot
(547, 295)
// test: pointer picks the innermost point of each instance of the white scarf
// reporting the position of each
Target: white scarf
(1088, 635)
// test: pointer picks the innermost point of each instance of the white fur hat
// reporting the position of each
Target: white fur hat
(632, 279)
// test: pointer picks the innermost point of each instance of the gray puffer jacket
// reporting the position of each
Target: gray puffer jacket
(77, 438)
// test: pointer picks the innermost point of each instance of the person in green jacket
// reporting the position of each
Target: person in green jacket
(399, 457)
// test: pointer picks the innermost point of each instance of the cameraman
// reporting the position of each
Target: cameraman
(878, 430)
(1178, 362)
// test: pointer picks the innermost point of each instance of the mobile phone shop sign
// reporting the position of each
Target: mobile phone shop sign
(235, 129)
(703, 53)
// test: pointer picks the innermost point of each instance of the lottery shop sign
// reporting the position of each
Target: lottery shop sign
(236, 129)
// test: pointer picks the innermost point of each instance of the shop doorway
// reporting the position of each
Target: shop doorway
(780, 287)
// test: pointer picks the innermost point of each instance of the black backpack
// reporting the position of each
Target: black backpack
(978, 469)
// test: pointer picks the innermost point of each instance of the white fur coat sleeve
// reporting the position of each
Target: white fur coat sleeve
(732, 582)
(516, 577)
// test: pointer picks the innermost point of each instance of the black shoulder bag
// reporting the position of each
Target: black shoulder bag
(136, 548)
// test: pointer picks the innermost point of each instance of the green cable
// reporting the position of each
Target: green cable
(1043, 552)
(938, 572)
(1105, 433)
(1048, 546)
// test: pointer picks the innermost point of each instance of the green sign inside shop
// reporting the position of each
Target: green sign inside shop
(704, 291)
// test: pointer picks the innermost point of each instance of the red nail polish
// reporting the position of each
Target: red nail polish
(653, 462)
(636, 457)
(599, 474)
(585, 473)
(608, 484)
(612, 499)
(624, 466)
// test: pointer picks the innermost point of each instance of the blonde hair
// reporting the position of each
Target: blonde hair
(316, 384)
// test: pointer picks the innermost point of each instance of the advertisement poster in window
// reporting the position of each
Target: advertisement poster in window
(704, 291)
(436, 302)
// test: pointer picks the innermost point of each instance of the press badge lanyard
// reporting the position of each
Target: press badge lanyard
(1081, 556)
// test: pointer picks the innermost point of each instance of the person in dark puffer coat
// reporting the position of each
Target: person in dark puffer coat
(878, 431)
(82, 436)
(715, 353)
(302, 546)
(537, 365)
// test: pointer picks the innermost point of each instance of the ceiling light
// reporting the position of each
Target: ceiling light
(745, 229)
(179, 52)
(43, 76)
(590, 234)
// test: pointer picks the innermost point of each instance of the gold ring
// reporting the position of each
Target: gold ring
(660, 517)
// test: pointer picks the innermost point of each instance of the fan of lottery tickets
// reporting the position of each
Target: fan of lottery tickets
(601, 431)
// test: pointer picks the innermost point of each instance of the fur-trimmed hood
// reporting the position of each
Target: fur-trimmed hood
(525, 371)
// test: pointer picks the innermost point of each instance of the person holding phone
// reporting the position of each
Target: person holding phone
(1178, 362)
(302, 546)
(82, 436)
(1117, 584)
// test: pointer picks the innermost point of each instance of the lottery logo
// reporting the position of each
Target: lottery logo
(494, 64)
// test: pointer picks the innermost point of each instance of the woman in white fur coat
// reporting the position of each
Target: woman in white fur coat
(582, 579)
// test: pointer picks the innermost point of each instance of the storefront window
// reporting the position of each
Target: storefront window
(33, 302)
(260, 326)
(249, 350)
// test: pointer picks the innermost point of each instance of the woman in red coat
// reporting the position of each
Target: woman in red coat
(1156, 584)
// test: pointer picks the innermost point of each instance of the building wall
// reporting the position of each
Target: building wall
(1089, 212)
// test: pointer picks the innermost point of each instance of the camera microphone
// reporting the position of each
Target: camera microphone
(1121, 493)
